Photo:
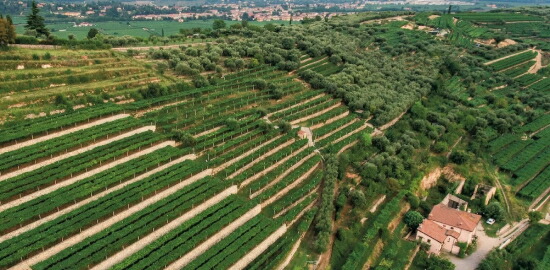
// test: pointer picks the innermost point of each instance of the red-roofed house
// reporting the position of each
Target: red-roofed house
(446, 226)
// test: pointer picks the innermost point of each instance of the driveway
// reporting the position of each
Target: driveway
(484, 245)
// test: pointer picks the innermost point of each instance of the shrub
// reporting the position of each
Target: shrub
(413, 219)
(494, 210)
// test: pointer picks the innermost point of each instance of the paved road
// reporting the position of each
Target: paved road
(484, 246)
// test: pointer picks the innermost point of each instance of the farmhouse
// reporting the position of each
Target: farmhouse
(445, 227)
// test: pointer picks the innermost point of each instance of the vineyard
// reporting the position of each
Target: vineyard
(526, 159)
(107, 186)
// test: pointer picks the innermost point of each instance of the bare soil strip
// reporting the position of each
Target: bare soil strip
(309, 206)
(297, 104)
(303, 119)
(295, 203)
(377, 203)
(347, 147)
(61, 133)
(145, 48)
(109, 222)
(264, 156)
(537, 202)
(338, 117)
(296, 70)
(289, 187)
(507, 56)
(93, 198)
(200, 249)
(270, 168)
(392, 122)
(290, 255)
(143, 242)
(248, 153)
(207, 132)
(351, 133)
(283, 175)
(76, 152)
(85, 175)
(259, 249)
(411, 259)
(157, 108)
(538, 63)
(336, 130)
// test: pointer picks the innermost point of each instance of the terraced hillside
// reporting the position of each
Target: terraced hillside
(34, 83)
(108, 186)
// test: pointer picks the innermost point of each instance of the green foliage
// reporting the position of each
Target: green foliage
(535, 216)
(413, 219)
(459, 157)
(92, 33)
(35, 22)
(494, 210)
(218, 24)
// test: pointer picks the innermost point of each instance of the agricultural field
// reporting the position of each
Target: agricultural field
(114, 175)
(142, 29)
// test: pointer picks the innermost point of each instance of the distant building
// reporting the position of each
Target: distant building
(445, 227)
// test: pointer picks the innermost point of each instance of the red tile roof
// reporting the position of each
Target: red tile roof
(454, 218)
(435, 231)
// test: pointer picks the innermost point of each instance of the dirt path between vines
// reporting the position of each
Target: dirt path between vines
(248, 153)
(62, 132)
(206, 132)
(303, 119)
(290, 255)
(507, 56)
(270, 168)
(76, 152)
(157, 108)
(143, 242)
(337, 129)
(289, 187)
(214, 239)
(85, 175)
(93, 198)
(259, 249)
(283, 175)
(336, 118)
(312, 63)
(175, 46)
(262, 157)
(538, 62)
(26, 264)
(392, 122)
(296, 105)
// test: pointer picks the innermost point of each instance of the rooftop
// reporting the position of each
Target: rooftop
(455, 218)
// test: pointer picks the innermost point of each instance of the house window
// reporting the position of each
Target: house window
(421, 238)
(429, 240)
(452, 228)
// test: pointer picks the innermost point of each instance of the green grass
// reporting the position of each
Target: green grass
(132, 28)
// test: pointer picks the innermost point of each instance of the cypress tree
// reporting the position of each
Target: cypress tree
(36, 22)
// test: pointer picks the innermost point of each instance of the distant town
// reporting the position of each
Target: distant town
(149, 10)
